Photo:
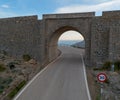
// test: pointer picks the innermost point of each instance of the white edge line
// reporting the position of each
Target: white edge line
(86, 82)
(35, 77)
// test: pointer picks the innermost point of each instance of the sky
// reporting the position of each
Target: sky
(71, 35)
(14, 8)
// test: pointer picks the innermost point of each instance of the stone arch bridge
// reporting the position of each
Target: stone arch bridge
(38, 38)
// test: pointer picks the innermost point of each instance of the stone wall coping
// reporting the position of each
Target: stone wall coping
(111, 14)
(32, 17)
(69, 15)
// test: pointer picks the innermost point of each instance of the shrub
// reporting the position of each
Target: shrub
(107, 81)
(1, 88)
(7, 81)
(117, 65)
(17, 62)
(3, 52)
(96, 68)
(11, 65)
(107, 65)
(4, 83)
(16, 90)
(2, 67)
(26, 57)
(98, 97)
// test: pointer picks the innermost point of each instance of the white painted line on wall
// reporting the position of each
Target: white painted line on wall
(30, 82)
(86, 82)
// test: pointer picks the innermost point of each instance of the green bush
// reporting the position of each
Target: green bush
(4, 83)
(5, 53)
(1, 88)
(16, 90)
(2, 67)
(98, 97)
(107, 65)
(7, 81)
(117, 65)
(26, 57)
(96, 68)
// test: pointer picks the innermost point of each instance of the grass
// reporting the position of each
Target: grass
(16, 90)
(26, 57)
(2, 68)
(98, 97)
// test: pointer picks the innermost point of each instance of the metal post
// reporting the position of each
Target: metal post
(112, 67)
(101, 91)
(113, 51)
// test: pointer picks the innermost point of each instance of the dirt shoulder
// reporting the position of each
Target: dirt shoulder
(93, 86)
(111, 87)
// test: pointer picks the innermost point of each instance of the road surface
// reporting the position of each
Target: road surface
(62, 80)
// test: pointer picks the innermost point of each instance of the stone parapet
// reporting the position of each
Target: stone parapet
(111, 14)
(69, 15)
(22, 18)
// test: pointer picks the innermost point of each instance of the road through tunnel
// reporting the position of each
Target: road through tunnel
(65, 36)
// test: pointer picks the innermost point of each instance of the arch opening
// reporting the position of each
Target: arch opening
(70, 37)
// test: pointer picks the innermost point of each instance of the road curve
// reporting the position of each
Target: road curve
(62, 80)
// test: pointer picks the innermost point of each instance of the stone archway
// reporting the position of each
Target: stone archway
(52, 43)
(55, 25)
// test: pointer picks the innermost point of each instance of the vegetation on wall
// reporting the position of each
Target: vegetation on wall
(26, 57)
(2, 67)
(107, 66)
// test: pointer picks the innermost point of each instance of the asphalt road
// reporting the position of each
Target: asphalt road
(62, 80)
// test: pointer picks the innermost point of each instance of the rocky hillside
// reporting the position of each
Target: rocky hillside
(79, 44)
(15, 73)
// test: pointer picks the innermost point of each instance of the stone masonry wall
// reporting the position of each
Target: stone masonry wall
(21, 35)
(99, 41)
(28, 35)
(114, 40)
(105, 38)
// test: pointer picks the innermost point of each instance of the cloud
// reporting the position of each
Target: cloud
(111, 5)
(5, 6)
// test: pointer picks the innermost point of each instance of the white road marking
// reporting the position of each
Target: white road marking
(89, 97)
(84, 69)
(30, 82)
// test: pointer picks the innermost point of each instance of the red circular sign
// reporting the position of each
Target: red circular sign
(102, 77)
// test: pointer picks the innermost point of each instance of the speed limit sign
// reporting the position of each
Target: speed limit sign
(102, 77)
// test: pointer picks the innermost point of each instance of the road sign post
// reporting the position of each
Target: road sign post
(102, 77)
